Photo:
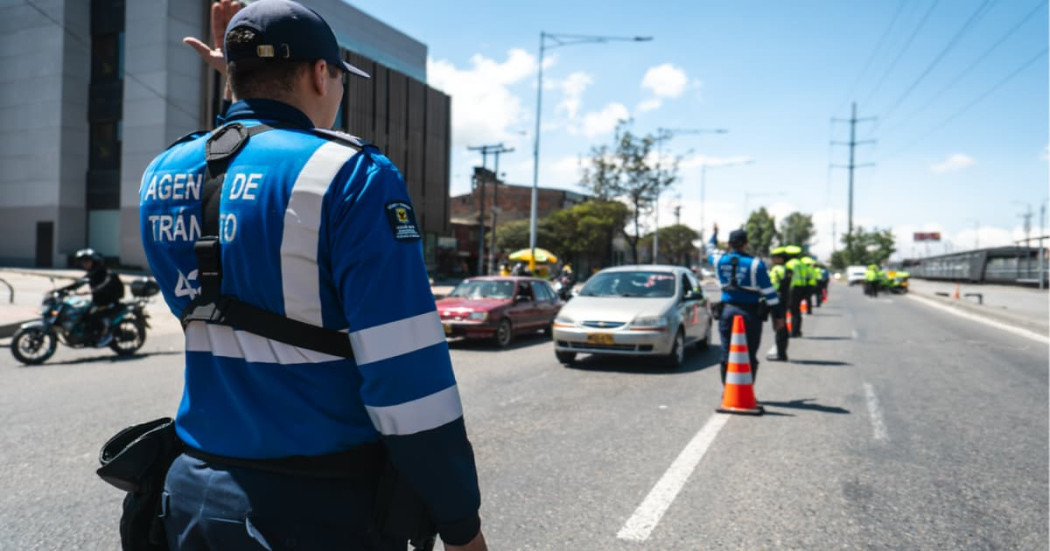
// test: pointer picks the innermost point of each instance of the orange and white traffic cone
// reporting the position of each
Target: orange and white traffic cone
(789, 322)
(824, 295)
(738, 396)
(956, 296)
(805, 306)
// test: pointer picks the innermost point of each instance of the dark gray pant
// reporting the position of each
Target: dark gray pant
(214, 508)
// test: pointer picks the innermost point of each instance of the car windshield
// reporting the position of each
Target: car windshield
(478, 289)
(630, 284)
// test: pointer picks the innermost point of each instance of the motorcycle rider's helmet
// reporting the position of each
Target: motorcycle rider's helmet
(88, 254)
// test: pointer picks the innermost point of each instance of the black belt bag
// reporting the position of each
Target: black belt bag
(136, 460)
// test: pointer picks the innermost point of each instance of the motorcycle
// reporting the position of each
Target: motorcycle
(62, 320)
(563, 287)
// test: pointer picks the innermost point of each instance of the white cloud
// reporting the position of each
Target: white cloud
(665, 81)
(483, 108)
(952, 163)
(1045, 155)
(696, 161)
(649, 105)
(597, 123)
(573, 87)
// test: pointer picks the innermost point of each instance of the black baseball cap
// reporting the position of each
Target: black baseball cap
(737, 237)
(287, 30)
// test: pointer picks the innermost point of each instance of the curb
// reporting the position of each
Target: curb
(999, 313)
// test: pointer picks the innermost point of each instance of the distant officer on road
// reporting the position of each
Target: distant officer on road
(780, 276)
(315, 358)
(810, 270)
(871, 281)
(798, 287)
(745, 287)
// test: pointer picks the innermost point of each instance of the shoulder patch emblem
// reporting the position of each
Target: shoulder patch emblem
(402, 221)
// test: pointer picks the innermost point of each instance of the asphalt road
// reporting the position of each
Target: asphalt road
(895, 426)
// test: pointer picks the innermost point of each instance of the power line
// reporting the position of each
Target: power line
(980, 12)
(1013, 30)
(878, 48)
(907, 44)
(129, 74)
(970, 105)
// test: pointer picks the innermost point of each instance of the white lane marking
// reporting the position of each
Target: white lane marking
(647, 515)
(972, 317)
(877, 425)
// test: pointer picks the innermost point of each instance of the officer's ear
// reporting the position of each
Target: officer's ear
(320, 80)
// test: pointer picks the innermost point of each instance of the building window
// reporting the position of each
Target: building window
(107, 58)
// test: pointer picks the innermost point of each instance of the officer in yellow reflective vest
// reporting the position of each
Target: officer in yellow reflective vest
(780, 276)
(810, 266)
(798, 284)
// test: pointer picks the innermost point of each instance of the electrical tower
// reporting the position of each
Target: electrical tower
(852, 143)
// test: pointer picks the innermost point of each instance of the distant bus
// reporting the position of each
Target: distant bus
(1010, 265)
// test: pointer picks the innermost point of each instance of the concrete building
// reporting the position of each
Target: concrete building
(92, 90)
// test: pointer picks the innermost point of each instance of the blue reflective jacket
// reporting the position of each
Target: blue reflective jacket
(322, 232)
(751, 275)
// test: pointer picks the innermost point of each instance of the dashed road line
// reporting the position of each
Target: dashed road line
(973, 317)
(653, 507)
(877, 425)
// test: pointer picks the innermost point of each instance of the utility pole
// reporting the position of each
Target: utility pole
(480, 177)
(1042, 233)
(852, 143)
(1027, 216)
(495, 206)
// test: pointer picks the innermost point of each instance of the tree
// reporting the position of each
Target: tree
(514, 236)
(873, 247)
(627, 172)
(796, 229)
(761, 230)
(676, 243)
(586, 231)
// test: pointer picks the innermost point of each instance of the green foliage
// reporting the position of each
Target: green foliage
(761, 231)
(676, 244)
(796, 229)
(625, 171)
(514, 236)
(874, 247)
(585, 232)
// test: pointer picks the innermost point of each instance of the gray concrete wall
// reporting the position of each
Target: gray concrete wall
(162, 97)
(44, 74)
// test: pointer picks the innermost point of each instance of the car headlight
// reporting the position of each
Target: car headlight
(478, 316)
(650, 321)
(562, 320)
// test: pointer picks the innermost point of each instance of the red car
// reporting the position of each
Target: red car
(498, 307)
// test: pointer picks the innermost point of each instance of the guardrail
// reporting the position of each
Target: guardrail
(10, 290)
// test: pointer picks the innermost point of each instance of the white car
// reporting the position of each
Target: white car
(648, 310)
(856, 274)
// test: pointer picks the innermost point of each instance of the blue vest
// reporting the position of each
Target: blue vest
(322, 232)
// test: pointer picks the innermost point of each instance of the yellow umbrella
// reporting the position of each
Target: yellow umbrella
(525, 255)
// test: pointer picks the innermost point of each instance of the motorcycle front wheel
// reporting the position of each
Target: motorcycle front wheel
(33, 345)
(128, 336)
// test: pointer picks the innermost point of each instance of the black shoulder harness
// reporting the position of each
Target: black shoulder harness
(210, 305)
(734, 283)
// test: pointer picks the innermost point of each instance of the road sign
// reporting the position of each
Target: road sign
(927, 236)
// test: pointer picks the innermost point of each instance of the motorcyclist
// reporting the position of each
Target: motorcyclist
(106, 291)
(567, 278)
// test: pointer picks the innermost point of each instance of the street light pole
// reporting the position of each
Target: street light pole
(559, 40)
(703, 185)
(666, 134)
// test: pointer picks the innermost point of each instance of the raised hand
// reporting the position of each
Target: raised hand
(221, 13)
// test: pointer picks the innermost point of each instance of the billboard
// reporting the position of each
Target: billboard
(927, 236)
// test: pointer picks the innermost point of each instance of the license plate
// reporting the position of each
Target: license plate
(599, 338)
(448, 328)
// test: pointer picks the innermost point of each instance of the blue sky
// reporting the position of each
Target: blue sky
(774, 74)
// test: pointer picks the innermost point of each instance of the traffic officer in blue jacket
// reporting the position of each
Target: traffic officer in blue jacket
(745, 286)
(316, 227)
